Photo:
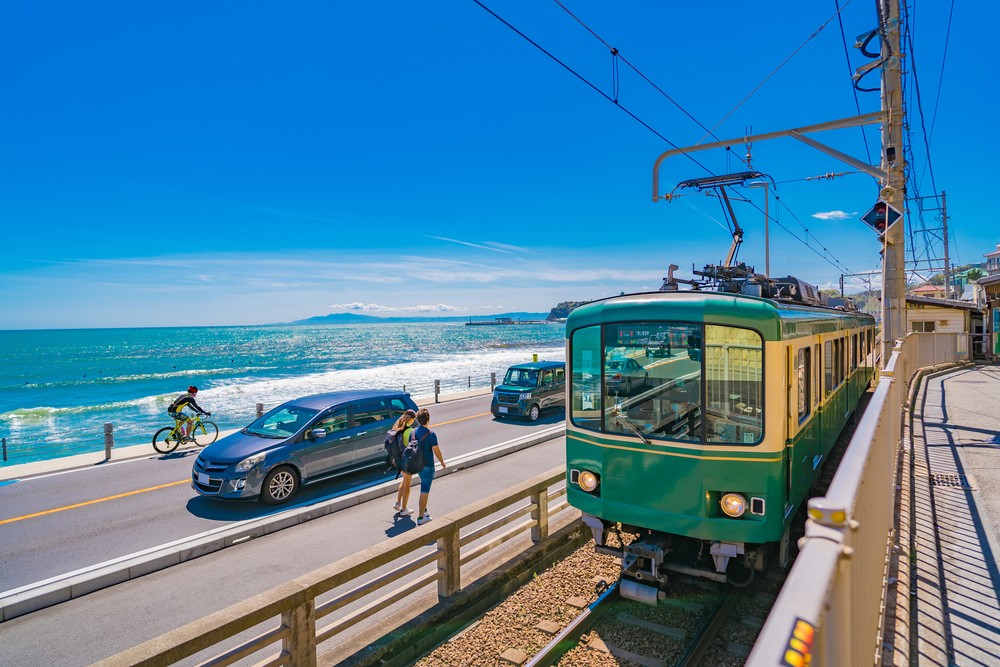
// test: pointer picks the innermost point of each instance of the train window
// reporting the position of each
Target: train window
(854, 352)
(585, 374)
(734, 391)
(815, 374)
(838, 353)
(828, 366)
(805, 382)
(652, 379)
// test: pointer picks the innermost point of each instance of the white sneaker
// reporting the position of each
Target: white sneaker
(397, 507)
(424, 519)
(405, 512)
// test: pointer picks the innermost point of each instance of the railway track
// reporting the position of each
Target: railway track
(578, 641)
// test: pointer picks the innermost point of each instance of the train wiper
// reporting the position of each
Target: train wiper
(632, 427)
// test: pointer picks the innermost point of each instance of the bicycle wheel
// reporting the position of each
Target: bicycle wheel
(205, 433)
(165, 441)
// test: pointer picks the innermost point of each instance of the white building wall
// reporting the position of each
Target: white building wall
(946, 320)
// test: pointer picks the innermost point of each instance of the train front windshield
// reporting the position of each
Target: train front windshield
(669, 381)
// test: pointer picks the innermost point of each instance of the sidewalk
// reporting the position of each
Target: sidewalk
(956, 506)
(91, 459)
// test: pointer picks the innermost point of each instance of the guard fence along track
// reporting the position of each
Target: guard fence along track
(59, 441)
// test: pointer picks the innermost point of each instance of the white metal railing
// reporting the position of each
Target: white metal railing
(295, 605)
(831, 606)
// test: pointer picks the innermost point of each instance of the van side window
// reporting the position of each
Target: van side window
(370, 413)
(334, 421)
(547, 377)
(398, 407)
(560, 374)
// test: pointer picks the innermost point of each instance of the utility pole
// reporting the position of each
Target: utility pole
(894, 163)
(947, 266)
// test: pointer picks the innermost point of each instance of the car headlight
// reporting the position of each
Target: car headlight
(525, 396)
(248, 463)
(588, 481)
(733, 504)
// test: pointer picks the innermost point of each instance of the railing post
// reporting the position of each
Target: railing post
(4, 449)
(437, 390)
(493, 381)
(470, 382)
(300, 643)
(260, 410)
(449, 563)
(109, 440)
(540, 499)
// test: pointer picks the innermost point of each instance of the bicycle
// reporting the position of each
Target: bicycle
(168, 438)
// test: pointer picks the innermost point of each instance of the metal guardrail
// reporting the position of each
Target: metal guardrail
(295, 601)
(80, 441)
(831, 606)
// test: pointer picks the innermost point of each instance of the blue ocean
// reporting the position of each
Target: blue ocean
(59, 387)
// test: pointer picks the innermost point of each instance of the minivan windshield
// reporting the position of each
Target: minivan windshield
(521, 377)
(282, 422)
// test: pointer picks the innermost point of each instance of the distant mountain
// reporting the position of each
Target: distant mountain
(353, 318)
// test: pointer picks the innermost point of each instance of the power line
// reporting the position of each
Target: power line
(615, 102)
(850, 71)
(634, 69)
(775, 70)
(598, 90)
(944, 57)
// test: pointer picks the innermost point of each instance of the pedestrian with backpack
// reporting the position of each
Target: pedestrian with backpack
(427, 448)
(396, 440)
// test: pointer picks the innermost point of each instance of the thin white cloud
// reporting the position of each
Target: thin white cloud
(833, 215)
(474, 245)
(504, 246)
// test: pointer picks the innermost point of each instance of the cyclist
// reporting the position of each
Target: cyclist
(176, 410)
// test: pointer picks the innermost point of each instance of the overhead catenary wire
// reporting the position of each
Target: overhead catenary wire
(857, 104)
(838, 265)
(944, 57)
(810, 38)
(596, 89)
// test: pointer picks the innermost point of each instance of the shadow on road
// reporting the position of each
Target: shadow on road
(228, 510)
(547, 419)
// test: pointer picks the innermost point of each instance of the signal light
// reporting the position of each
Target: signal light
(881, 217)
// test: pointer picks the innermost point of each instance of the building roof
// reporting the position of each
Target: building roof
(989, 280)
(941, 303)
(928, 288)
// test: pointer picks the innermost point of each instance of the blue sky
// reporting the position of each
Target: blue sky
(241, 163)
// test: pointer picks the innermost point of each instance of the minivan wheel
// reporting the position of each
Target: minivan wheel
(279, 486)
(534, 413)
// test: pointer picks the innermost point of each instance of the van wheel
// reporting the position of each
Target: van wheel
(279, 486)
(534, 413)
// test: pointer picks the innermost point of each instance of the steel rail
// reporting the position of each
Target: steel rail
(706, 635)
(569, 636)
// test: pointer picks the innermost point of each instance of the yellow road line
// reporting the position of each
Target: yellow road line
(462, 419)
(91, 502)
(162, 486)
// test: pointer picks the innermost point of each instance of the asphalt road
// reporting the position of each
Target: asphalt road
(69, 520)
(98, 625)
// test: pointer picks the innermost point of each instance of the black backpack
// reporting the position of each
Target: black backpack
(413, 456)
(394, 450)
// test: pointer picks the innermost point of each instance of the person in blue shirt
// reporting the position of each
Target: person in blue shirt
(431, 450)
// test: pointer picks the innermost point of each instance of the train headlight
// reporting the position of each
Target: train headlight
(588, 481)
(733, 504)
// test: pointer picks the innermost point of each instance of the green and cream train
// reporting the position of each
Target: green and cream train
(699, 420)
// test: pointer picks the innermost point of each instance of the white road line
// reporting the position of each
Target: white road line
(260, 519)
